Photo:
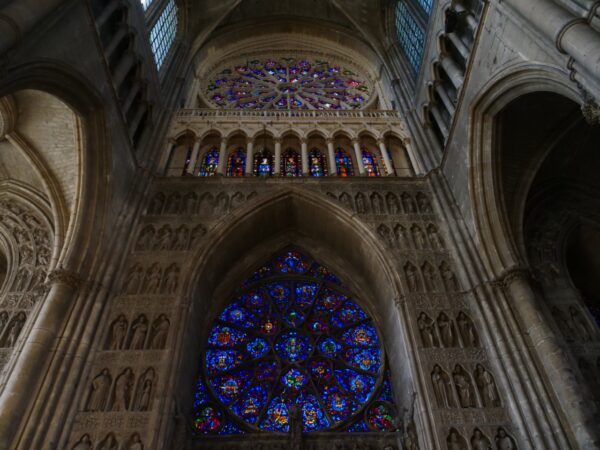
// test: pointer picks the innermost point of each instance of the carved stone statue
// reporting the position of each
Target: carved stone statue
(171, 280)
(579, 324)
(431, 284)
(442, 388)
(122, 394)
(464, 388)
(504, 441)
(139, 329)
(146, 239)
(423, 202)
(408, 204)
(412, 278)
(450, 281)
(144, 391)
(159, 332)
(427, 330)
(479, 441)
(376, 203)
(153, 279)
(434, 237)
(467, 330)
(409, 437)
(134, 280)
(455, 441)
(14, 330)
(135, 443)
(84, 443)
(418, 237)
(385, 234)
(99, 391)
(392, 203)
(118, 331)
(196, 234)
(3, 320)
(361, 206)
(164, 238)
(109, 443)
(447, 332)
(401, 236)
(181, 238)
(487, 387)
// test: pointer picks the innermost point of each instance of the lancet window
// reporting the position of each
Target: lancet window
(263, 164)
(370, 163)
(162, 34)
(317, 163)
(343, 163)
(410, 34)
(236, 164)
(290, 164)
(210, 163)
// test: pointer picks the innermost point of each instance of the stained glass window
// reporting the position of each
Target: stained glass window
(317, 163)
(370, 163)
(263, 164)
(411, 36)
(288, 83)
(162, 34)
(210, 162)
(292, 336)
(426, 5)
(236, 164)
(343, 163)
(146, 3)
(290, 164)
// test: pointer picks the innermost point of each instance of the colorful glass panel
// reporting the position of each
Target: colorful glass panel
(317, 164)
(263, 164)
(292, 339)
(291, 165)
(343, 163)
(288, 83)
(210, 162)
(370, 164)
(236, 165)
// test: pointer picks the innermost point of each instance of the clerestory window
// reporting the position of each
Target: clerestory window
(162, 34)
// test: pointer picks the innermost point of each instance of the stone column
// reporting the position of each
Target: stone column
(331, 158)
(194, 158)
(386, 157)
(277, 162)
(559, 368)
(250, 158)
(358, 154)
(453, 71)
(222, 166)
(305, 168)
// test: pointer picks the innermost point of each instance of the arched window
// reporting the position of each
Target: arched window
(263, 164)
(317, 164)
(370, 163)
(146, 3)
(343, 163)
(293, 338)
(236, 165)
(290, 164)
(410, 33)
(210, 163)
(162, 34)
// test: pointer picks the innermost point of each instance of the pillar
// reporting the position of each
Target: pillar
(305, 168)
(331, 158)
(222, 167)
(194, 158)
(250, 158)
(358, 154)
(277, 163)
(386, 158)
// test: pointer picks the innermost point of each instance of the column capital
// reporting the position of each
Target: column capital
(509, 276)
(381, 141)
(303, 140)
(329, 140)
(63, 276)
(277, 140)
(172, 141)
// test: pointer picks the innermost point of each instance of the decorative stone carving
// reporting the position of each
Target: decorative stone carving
(423, 203)
(385, 234)
(418, 237)
(157, 204)
(479, 441)
(430, 278)
(133, 281)
(450, 281)
(447, 331)
(346, 200)
(464, 387)
(206, 204)
(427, 331)
(413, 278)
(442, 387)
(579, 324)
(361, 203)
(134, 443)
(467, 330)
(455, 441)
(195, 235)
(108, 443)
(84, 443)
(189, 203)
(221, 203)
(159, 333)
(122, 391)
(504, 441)
(153, 279)
(143, 396)
(401, 236)
(118, 331)
(173, 204)
(377, 204)
(487, 387)
(139, 330)
(393, 205)
(408, 203)
(99, 391)
(171, 279)
(435, 240)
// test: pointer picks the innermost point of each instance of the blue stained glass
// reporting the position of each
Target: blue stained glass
(263, 272)
(257, 348)
(370, 164)
(249, 407)
(317, 164)
(320, 369)
(210, 162)
(277, 417)
(358, 427)
(339, 405)
(222, 360)
(329, 300)
(254, 301)
(208, 420)
(292, 262)
(221, 336)
(363, 336)
(293, 346)
(324, 273)
(367, 359)
(290, 162)
(319, 324)
(343, 163)
(380, 417)
(294, 379)
(230, 387)
(266, 371)
(305, 294)
(230, 429)
(263, 164)
(280, 293)
(329, 347)
(313, 417)
(236, 165)
(359, 385)
(201, 395)
(294, 318)
(386, 389)
(348, 314)
(269, 326)
(237, 315)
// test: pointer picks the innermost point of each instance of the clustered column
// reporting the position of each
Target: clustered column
(222, 166)
(249, 158)
(277, 170)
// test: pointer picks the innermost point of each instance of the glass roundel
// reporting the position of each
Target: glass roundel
(288, 83)
(292, 337)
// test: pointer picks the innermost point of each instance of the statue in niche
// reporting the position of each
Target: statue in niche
(21, 279)
(156, 206)
(43, 256)
(14, 330)
(237, 199)
(447, 332)
(26, 252)
(139, 329)
(189, 202)
(434, 237)
(171, 280)
(181, 238)
(99, 392)
(144, 391)
(412, 278)
(442, 388)
(392, 203)
(196, 234)
(467, 330)
(579, 324)
(3, 320)
(118, 331)
(401, 236)
(146, 239)
(361, 206)
(109, 443)
(164, 238)
(504, 441)
(427, 330)
(159, 332)
(450, 281)
(153, 279)
(479, 441)
(206, 204)
(385, 234)
(173, 204)
(408, 204)
(409, 436)
(222, 203)
(455, 441)
(562, 323)
(418, 237)
(377, 203)
(487, 387)
(122, 394)
(135, 443)
(429, 277)
(134, 280)
(464, 388)
(346, 200)
(423, 202)
(84, 443)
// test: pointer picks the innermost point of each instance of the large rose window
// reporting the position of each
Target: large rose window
(288, 83)
(293, 337)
